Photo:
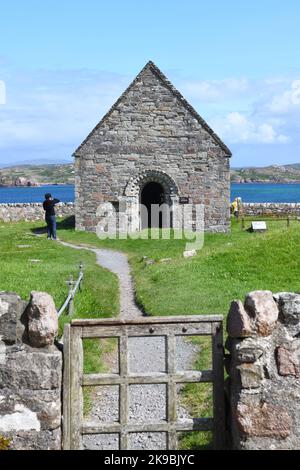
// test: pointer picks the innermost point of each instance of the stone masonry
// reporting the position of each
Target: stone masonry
(271, 209)
(32, 211)
(30, 373)
(264, 371)
(152, 134)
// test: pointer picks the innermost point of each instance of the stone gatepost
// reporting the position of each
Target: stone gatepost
(264, 371)
(30, 373)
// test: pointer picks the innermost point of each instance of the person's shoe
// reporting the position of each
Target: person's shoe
(48, 238)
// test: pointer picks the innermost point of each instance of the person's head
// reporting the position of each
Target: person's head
(48, 196)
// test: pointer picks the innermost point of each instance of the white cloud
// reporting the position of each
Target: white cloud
(56, 108)
(236, 128)
(2, 92)
(48, 113)
(212, 90)
(287, 101)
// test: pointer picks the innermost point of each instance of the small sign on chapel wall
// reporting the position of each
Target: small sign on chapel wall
(184, 200)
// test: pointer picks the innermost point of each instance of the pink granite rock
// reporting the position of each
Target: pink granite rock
(262, 307)
(42, 320)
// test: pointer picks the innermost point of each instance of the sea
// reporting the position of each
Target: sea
(249, 192)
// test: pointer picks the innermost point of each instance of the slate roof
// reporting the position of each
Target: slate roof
(150, 65)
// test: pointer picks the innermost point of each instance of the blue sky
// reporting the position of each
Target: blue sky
(63, 64)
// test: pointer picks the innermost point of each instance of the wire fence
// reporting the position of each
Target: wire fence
(288, 219)
(73, 287)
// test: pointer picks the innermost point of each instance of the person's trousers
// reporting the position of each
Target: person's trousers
(51, 226)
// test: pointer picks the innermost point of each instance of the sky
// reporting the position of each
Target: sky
(63, 64)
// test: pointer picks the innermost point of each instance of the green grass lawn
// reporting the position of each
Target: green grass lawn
(228, 267)
(31, 263)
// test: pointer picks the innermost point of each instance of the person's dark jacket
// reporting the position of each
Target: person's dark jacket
(48, 206)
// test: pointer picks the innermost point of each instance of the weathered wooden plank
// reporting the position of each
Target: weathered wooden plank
(148, 320)
(199, 424)
(180, 329)
(218, 386)
(148, 378)
(66, 388)
(123, 392)
(171, 393)
(170, 327)
(76, 402)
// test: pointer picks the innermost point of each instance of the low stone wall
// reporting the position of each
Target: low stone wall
(271, 209)
(32, 211)
(264, 371)
(30, 373)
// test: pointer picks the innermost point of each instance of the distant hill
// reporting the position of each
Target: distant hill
(23, 175)
(32, 175)
(269, 174)
(37, 162)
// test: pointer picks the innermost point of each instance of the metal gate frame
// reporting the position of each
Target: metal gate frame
(170, 328)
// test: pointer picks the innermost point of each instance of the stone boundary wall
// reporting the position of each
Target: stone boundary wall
(271, 209)
(264, 371)
(32, 211)
(30, 373)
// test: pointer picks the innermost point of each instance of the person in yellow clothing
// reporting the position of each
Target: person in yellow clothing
(235, 207)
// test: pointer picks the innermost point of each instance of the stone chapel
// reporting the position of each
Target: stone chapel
(152, 147)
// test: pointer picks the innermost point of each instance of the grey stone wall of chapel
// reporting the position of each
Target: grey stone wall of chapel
(151, 127)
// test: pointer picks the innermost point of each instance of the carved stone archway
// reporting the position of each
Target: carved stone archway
(137, 183)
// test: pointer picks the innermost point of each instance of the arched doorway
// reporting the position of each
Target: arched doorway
(151, 193)
(150, 186)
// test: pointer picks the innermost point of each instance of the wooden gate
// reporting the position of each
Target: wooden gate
(170, 328)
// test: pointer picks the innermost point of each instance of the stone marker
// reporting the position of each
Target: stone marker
(189, 254)
(42, 320)
(258, 226)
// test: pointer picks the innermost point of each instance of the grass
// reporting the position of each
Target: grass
(228, 267)
(31, 263)
(197, 399)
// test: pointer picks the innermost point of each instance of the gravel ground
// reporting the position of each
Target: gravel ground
(117, 263)
(147, 354)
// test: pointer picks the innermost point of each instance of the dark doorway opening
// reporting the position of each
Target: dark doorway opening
(152, 193)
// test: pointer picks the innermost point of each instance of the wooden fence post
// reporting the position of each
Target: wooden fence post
(71, 303)
(218, 386)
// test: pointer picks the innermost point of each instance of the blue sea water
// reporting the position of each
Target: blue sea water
(260, 192)
(64, 193)
(251, 192)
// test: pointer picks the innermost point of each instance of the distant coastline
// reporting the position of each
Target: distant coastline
(64, 173)
(266, 182)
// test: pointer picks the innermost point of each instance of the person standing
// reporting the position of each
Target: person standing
(237, 207)
(50, 218)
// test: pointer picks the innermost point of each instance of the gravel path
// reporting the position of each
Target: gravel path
(147, 354)
(117, 263)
